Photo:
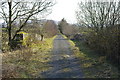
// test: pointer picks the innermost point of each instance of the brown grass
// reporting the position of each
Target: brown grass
(27, 62)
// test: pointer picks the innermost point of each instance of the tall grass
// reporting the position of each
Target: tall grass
(92, 64)
(27, 62)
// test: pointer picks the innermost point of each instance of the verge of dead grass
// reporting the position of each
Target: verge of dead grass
(27, 62)
(93, 66)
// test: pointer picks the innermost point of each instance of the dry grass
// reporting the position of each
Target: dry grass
(0, 65)
(27, 62)
(93, 66)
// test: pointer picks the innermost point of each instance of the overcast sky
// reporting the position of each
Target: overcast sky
(64, 9)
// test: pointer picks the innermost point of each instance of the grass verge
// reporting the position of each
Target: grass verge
(28, 62)
(93, 65)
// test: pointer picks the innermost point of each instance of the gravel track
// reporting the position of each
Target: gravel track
(63, 63)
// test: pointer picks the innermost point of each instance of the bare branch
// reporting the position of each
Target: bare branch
(99, 14)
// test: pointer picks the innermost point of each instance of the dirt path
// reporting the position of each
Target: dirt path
(63, 63)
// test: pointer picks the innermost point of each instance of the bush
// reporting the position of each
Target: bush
(106, 42)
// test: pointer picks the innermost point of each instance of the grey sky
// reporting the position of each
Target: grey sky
(64, 9)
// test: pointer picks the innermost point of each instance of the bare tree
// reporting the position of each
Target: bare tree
(66, 28)
(12, 11)
(62, 24)
(50, 28)
(98, 14)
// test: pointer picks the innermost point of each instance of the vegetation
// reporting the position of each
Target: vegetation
(27, 62)
(101, 28)
(98, 15)
(94, 40)
(98, 38)
(0, 38)
(92, 64)
(50, 28)
(13, 12)
(106, 42)
(67, 29)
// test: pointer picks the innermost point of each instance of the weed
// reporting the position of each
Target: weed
(27, 62)
(93, 65)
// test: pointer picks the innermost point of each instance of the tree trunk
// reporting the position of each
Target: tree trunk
(10, 23)
(42, 37)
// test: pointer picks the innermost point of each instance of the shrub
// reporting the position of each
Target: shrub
(106, 42)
